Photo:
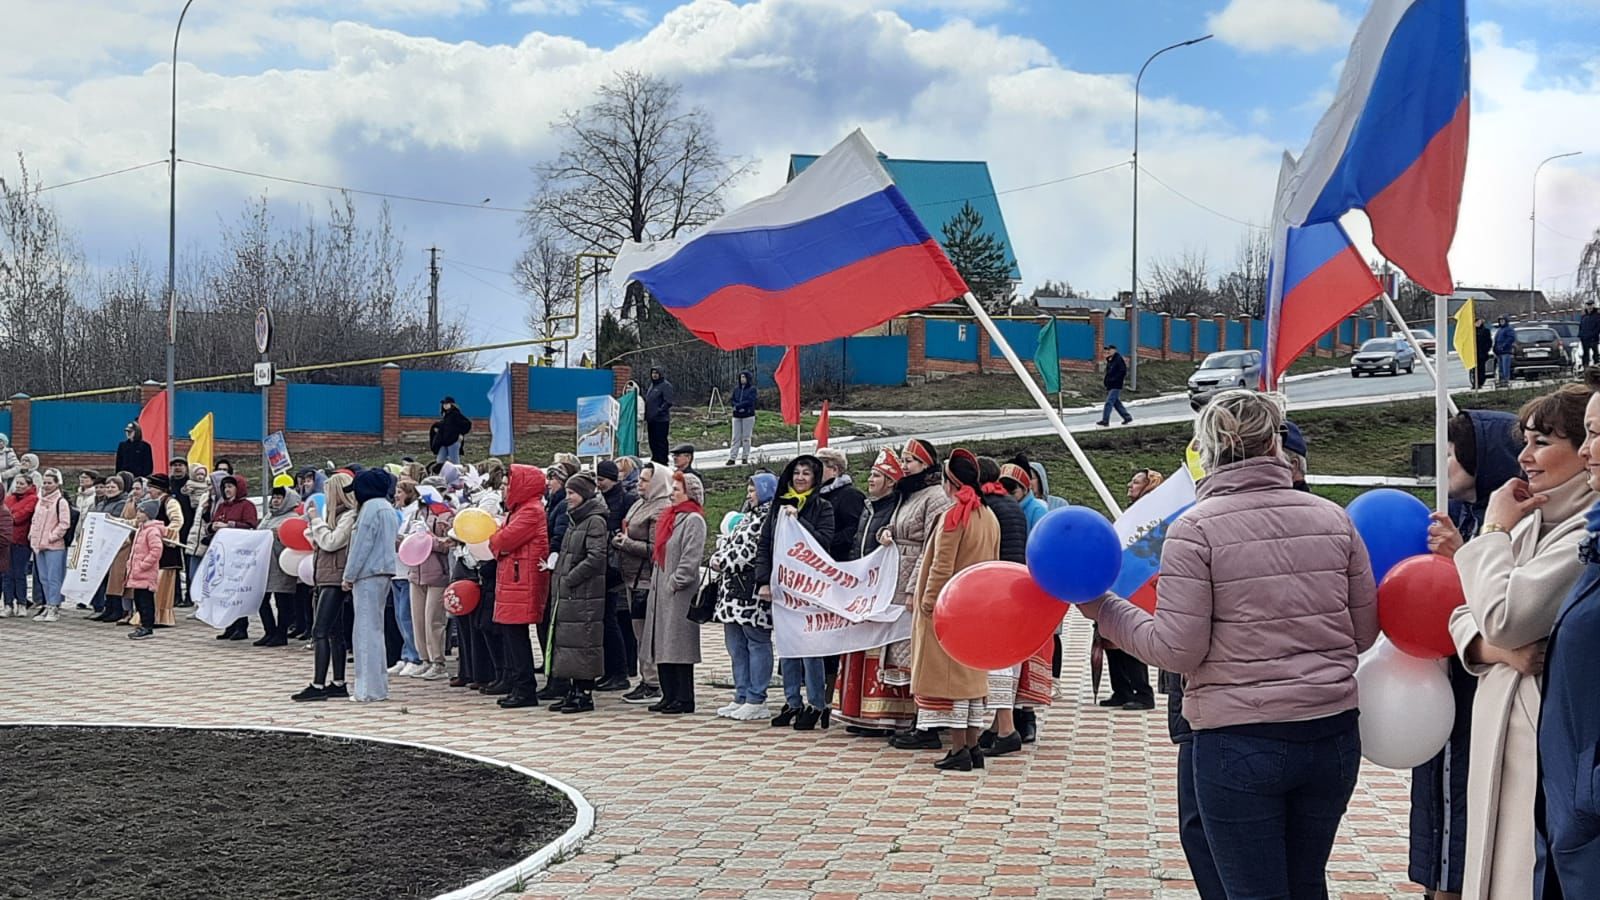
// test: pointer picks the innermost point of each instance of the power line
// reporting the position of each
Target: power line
(1027, 187)
(335, 187)
(486, 284)
(1563, 234)
(1195, 202)
(158, 162)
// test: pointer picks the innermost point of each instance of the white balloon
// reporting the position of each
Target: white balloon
(481, 551)
(289, 561)
(728, 521)
(1407, 707)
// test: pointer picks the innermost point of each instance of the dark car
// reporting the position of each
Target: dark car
(1569, 338)
(1389, 355)
(1538, 351)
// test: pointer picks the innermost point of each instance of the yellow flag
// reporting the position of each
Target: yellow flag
(200, 437)
(1466, 341)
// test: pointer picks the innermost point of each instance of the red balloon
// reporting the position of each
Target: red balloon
(461, 597)
(1415, 602)
(292, 532)
(992, 615)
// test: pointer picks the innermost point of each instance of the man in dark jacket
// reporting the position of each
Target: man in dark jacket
(743, 401)
(683, 460)
(1505, 343)
(1589, 334)
(446, 435)
(659, 398)
(846, 499)
(1485, 344)
(618, 634)
(1116, 374)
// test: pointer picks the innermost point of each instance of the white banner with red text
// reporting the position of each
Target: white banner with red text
(821, 607)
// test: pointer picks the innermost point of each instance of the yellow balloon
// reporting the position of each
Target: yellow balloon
(474, 526)
(283, 481)
(1191, 458)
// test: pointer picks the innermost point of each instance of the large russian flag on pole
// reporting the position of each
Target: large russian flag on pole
(1394, 142)
(833, 252)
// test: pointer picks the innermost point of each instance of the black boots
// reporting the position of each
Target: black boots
(786, 717)
(808, 719)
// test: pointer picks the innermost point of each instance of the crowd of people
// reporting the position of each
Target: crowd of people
(1266, 598)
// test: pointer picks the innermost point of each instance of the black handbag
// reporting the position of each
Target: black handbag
(704, 605)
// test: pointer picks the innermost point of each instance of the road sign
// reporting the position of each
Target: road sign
(263, 329)
(263, 374)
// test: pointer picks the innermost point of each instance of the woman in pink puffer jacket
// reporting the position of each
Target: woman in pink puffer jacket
(1265, 599)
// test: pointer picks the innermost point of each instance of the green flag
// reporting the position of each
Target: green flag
(628, 424)
(1048, 359)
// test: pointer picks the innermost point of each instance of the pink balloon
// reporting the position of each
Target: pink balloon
(308, 570)
(414, 550)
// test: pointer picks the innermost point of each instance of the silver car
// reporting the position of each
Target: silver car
(1225, 370)
(1390, 355)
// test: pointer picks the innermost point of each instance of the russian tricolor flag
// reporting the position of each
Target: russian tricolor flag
(1394, 142)
(835, 251)
(1142, 528)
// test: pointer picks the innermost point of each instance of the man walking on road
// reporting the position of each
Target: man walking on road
(658, 401)
(1116, 374)
(1589, 334)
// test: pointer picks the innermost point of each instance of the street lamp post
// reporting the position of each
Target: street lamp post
(1133, 294)
(1533, 229)
(172, 239)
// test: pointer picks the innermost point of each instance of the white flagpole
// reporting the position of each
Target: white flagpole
(1441, 351)
(1443, 408)
(1043, 402)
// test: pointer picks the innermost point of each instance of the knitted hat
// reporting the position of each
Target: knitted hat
(1017, 476)
(888, 465)
(582, 485)
(606, 468)
(150, 508)
(370, 484)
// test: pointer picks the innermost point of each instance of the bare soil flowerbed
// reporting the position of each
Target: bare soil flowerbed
(140, 813)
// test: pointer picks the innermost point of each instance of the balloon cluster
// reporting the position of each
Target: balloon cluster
(996, 614)
(1407, 706)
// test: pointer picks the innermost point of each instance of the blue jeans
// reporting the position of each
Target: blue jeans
(52, 574)
(1192, 831)
(16, 577)
(809, 669)
(1114, 401)
(1272, 807)
(1504, 361)
(750, 648)
(401, 597)
(451, 454)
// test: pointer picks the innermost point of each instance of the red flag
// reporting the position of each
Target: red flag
(788, 377)
(821, 432)
(153, 422)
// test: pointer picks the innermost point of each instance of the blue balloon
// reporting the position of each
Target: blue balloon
(1394, 526)
(1074, 554)
(320, 501)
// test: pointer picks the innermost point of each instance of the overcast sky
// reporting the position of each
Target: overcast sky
(453, 99)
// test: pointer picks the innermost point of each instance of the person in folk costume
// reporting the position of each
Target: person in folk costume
(521, 581)
(368, 574)
(951, 695)
(330, 533)
(674, 640)
(868, 705)
(912, 528)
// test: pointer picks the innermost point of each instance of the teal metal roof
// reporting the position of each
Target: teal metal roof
(936, 189)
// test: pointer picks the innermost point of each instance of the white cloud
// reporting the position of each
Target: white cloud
(632, 13)
(1260, 26)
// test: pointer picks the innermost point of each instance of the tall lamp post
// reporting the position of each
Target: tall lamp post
(1533, 230)
(1133, 325)
(172, 240)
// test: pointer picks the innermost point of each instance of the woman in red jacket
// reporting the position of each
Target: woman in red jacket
(20, 502)
(522, 583)
(235, 510)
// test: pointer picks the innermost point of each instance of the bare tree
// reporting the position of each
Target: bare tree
(635, 165)
(1243, 291)
(1182, 285)
(545, 274)
(39, 268)
(1586, 286)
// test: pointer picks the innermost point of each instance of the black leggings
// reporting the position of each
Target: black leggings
(145, 602)
(328, 633)
(518, 654)
(677, 683)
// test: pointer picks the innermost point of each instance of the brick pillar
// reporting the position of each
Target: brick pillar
(620, 376)
(278, 406)
(521, 416)
(1194, 337)
(148, 391)
(21, 422)
(1244, 323)
(389, 378)
(1098, 320)
(1166, 336)
(916, 347)
(983, 347)
(1222, 330)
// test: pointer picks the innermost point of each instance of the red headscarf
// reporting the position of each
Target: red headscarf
(669, 520)
(962, 468)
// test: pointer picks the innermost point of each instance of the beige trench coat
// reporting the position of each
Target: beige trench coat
(1514, 586)
(933, 672)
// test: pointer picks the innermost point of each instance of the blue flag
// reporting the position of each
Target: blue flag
(501, 440)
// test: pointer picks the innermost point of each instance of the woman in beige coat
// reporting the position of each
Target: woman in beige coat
(1515, 575)
(949, 694)
(669, 637)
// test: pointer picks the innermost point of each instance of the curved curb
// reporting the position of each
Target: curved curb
(490, 886)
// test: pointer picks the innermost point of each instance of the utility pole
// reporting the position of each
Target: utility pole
(433, 298)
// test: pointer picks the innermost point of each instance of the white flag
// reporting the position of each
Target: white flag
(821, 607)
(232, 576)
(99, 539)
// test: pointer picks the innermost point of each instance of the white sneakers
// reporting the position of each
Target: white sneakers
(52, 613)
(5, 610)
(727, 712)
(398, 667)
(434, 672)
(751, 712)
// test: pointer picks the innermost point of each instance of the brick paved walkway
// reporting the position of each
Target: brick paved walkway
(695, 806)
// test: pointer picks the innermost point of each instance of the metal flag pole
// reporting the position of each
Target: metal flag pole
(999, 340)
(1440, 339)
(1443, 408)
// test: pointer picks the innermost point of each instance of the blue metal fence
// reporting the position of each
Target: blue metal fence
(348, 409)
(237, 416)
(1208, 336)
(1182, 340)
(553, 390)
(948, 340)
(1076, 339)
(1022, 336)
(421, 391)
(1150, 330)
(78, 425)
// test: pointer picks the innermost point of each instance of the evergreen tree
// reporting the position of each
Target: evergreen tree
(979, 257)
